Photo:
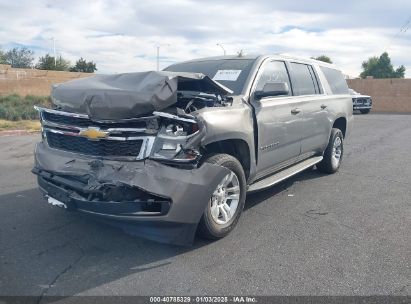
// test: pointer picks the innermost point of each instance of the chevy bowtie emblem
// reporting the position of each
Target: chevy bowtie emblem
(94, 133)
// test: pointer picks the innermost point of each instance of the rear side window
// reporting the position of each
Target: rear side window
(304, 79)
(274, 71)
(336, 80)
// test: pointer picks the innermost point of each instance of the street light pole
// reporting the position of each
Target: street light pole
(54, 51)
(220, 45)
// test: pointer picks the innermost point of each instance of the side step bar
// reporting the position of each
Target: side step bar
(284, 174)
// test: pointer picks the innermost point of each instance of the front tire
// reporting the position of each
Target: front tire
(365, 111)
(333, 153)
(227, 200)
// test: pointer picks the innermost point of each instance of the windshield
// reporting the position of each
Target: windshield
(231, 73)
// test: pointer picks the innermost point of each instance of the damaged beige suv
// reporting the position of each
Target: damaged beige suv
(167, 154)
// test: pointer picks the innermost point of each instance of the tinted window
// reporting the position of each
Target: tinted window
(336, 80)
(304, 80)
(235, 71)
(274, 71)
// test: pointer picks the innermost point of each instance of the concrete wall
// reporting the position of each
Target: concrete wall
(389, 95)
(32, 82)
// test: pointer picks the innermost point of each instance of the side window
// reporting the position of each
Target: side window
(336, 80)
(304, 79)
(274, 71)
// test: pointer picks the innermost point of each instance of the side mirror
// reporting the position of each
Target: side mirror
(272, 89)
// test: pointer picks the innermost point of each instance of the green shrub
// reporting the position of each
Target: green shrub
(15, 107)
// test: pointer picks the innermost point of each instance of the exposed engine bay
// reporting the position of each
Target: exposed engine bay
(191, 101)
(134, 95)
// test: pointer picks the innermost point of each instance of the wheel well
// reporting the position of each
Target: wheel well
(237, 148)
(341, 123)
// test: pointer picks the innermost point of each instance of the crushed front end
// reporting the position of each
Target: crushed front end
(142, 174)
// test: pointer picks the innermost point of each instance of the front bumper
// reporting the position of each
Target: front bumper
(362, 103)
(362, 107)
(144, 198)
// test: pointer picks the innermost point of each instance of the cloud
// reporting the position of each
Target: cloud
(121, 36)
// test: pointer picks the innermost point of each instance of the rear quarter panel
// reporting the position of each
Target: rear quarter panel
(337, 105)
(340, 106)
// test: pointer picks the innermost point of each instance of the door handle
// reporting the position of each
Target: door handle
(295, 111)
(323, 106)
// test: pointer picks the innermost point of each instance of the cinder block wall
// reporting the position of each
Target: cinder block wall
(32, 82)
(389, 95)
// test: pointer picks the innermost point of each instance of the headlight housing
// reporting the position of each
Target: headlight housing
(173, 136)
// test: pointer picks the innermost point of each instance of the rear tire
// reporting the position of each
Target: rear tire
(333, 153)
(223, 210)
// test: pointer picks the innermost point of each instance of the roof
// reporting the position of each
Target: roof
(252, 57)
(307, 60)
(262, 56)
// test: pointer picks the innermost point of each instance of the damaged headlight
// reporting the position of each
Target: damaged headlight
(175, 129)
(172, 139)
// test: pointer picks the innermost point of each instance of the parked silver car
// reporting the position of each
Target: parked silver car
(360, 102)
(168, 154)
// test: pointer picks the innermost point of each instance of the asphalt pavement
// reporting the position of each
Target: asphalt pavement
(314, 234)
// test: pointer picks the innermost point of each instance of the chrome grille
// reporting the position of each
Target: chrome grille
(79, 134)
(101, 147)
(361, 101)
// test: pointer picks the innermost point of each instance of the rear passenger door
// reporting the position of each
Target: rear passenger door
(313, 103)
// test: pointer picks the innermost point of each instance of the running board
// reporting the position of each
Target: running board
(284, 174)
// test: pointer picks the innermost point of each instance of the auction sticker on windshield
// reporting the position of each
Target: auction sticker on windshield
(227, 75)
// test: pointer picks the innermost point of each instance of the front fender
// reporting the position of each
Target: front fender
(228, 123)
(224, 123)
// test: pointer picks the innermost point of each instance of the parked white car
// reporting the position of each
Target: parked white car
(360, 102)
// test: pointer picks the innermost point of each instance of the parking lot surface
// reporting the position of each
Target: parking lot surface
(314, 234)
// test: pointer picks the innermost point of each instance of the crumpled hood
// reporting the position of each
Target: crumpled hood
(129, 95)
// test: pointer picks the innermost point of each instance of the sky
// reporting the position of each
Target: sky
(122, 35)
